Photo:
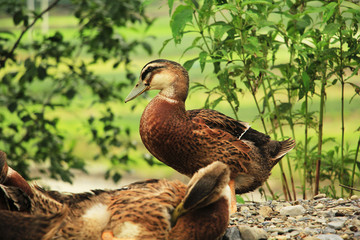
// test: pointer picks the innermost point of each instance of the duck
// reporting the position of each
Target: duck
(187, 140)
(150, 209)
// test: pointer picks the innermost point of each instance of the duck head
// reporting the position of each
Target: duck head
(204, 211)
(167, 76)
(207, 186)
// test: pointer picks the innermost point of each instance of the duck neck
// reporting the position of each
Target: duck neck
(179, 88)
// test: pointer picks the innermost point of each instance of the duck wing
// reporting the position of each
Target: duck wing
(217, 131)
(238, 129)
(216, 120)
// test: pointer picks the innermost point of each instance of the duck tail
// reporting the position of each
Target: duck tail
(284, 148)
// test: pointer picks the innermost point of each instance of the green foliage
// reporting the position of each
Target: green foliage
(46, 75)
(241, 40)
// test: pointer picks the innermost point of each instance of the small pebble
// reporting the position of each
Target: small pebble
(319, 196)
(319, 206)
(252, 233)
(329, 230)
(292, 210)
(336, 224)
(265, 211)
(345, 236)
(232, 233)
(354, 197)
(329, 237)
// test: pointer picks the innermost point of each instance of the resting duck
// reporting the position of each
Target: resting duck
(190, 140)
(153, 209)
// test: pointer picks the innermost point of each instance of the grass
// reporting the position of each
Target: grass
(73, 119)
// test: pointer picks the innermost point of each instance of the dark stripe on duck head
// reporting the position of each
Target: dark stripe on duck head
(149, 70)
(152, 68)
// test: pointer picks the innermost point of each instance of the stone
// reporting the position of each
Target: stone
(345, 236)
(319, 196)
(265, 211)
(232, 233)
(354, 197)
(292, 210)
(329, 230)
(329, 237)
(294, 233)
(319, 206)
(252, 233)
(339, 224)
(311, 231)
(281, 238)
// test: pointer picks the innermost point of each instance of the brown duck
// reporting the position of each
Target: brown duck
(153, 209)
(190, 140)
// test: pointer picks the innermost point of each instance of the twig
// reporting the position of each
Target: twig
(2, 62)
(354, 189)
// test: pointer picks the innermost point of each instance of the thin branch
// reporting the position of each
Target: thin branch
(2, 62)
(354, 189)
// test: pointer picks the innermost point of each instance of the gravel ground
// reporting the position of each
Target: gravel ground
(320, 218)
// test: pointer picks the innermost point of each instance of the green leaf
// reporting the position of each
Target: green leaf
(207, 5)
(220, 29)
(284, 107)
(226, 6)
(116, 177)
(196, 4)
(251, 2)
(216, 102)
(171, 4)
(331, 29)
(164, 45)
(18, 17)
(188, 64)
(70, 93)
(181, 16)
(202, 58)
(240, 199)
(12, 106)
(255, 70)
(306, 81)
(41, 72)
(356, 89)
(330, 9)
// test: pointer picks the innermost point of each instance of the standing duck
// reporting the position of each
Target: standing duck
(190, 140)
(152, 209)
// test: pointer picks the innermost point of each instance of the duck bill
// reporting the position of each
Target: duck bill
(139, 88)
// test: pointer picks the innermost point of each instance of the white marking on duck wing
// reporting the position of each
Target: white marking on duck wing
(97, 217)
(248, 126)
(127, 230)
